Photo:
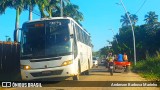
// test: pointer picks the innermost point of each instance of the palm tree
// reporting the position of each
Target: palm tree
(41, 5)
(19, 6)
(125, 20)
(56, 10)
(29, 4)
(151, 17)
(71, 10)
(134, 18)
(52, 6)
(53, 9)
(16, 4)
(4, 5)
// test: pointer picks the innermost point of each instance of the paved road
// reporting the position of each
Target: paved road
(98, 77)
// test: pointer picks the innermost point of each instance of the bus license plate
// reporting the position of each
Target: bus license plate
(111, 67)
(46, 72)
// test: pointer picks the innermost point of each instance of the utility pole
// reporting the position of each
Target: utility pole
(132, 32)
(61, 8)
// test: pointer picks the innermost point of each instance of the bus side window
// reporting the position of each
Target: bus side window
(90, 44)
(75, 43)
(77, 33)
(80, 34)
(85, 38)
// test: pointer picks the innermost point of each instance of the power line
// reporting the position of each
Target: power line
(34, 12)
(141, 6)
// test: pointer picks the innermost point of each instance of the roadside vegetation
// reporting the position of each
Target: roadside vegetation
(149, 68)
(147, 40)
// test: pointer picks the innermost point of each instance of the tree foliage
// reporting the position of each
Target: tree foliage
(146, 37)
(147, 40)
(134, 19)
(125, 20)
(70, 10)
(151, 17)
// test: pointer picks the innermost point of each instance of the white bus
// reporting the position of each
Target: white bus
(55, 47)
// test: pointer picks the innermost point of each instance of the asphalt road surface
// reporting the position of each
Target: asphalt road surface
(99, 79)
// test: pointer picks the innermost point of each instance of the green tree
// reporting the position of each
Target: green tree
(44, 5)
(124, 20)
(18, 5)
(4, 5)
(72, 10)
(104, 50)
(147, 40)
(96, 54)
(134, 19)
(151, 17)
(41, 5)
(29, 4)
(52, 6)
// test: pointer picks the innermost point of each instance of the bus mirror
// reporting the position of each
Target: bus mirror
(71, 35)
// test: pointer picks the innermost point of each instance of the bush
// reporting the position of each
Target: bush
(149, 68)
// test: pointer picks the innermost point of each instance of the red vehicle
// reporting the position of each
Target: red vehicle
(122, 66)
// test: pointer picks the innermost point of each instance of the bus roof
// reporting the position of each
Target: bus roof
(52, 18)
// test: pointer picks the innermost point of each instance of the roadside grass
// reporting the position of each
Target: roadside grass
(149, 68)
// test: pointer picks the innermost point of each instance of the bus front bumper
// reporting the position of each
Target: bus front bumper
(65, 71)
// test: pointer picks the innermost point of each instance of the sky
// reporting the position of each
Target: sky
(100, 16)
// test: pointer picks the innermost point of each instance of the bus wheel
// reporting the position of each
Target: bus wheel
(76, 77)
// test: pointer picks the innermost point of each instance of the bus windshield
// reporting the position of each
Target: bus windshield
(46, 39)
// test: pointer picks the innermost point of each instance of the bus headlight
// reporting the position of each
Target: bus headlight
(65, 63)
(25, 67)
